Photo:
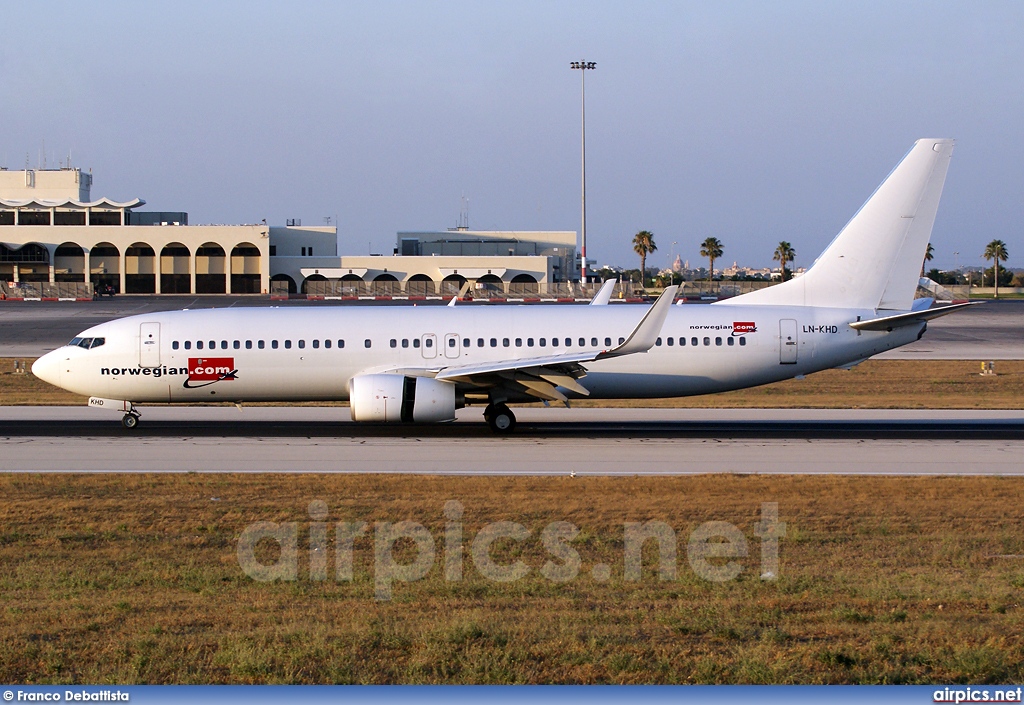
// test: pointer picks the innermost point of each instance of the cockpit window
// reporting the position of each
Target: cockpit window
(87, 343)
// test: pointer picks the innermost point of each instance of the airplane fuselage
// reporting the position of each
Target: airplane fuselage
(311, 354)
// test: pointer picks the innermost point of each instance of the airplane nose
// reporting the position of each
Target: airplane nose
(47, 368)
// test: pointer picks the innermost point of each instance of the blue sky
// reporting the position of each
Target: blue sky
(752, 122)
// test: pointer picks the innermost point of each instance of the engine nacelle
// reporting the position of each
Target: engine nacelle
(397, 398)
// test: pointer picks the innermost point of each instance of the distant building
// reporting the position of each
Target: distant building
(746, 272)
(442, 262)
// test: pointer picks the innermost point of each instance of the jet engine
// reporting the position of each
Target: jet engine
(397, 398)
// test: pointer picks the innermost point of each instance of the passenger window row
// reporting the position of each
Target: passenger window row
(467, 343)
(249, 344)
(696, 341)
(427, 342)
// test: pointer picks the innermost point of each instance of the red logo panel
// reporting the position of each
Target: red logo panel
(740, 327)
(211, 369)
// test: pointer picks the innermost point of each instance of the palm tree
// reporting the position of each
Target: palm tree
(712, 249)
(928, 255)
(784, 253)
(643, 245)
(996, 251)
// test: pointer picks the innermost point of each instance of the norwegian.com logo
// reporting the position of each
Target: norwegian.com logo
(743, 327)
(203, 371)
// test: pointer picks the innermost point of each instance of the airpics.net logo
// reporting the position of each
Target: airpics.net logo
(406, 551)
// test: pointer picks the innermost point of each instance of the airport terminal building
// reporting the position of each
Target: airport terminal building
(52, 231)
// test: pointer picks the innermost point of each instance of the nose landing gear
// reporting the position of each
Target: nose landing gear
(131, 415)
(131, 419)
(500, 418)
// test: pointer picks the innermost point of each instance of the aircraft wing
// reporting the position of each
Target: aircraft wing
(539, 376)
(906, 319)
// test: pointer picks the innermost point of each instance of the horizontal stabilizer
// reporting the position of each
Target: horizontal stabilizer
(906, 319)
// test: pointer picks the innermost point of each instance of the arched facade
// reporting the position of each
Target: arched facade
(175, 269)
(522, 285)
(29, 262)
(385, 284)
(419, 285)
(489, 284)
(313, 284)
(245, 269)
(452, 284)
(105, 266)
(292, 288)
(172, 259)
(140, 269)
(69, 263)
(211, 267)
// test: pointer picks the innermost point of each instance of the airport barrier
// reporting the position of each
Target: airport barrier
(989, 290)
(927, 288)
(46, 291)
(723, 288)
(476, 291)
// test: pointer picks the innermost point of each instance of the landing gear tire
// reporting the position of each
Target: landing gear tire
(130, 421)
(500, 418)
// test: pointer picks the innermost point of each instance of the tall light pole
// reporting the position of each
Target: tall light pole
(582, 67)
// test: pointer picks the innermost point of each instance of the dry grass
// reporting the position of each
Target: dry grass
(134, 578)
(879, 384)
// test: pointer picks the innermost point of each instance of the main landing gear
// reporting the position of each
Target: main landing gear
(500, 418)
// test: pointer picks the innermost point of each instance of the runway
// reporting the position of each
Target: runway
(546, 442)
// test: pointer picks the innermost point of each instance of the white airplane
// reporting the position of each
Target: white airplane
(420, 364)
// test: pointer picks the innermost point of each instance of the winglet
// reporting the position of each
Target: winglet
(604, 294)
(648, 329)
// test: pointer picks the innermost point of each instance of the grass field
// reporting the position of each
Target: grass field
(134, 579)
(886, 384)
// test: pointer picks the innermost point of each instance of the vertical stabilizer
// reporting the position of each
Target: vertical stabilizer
(875, 261)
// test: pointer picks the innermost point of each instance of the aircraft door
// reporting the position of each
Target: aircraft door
(787, 342)
(428, 345)
(149, 345)
(452, 344)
